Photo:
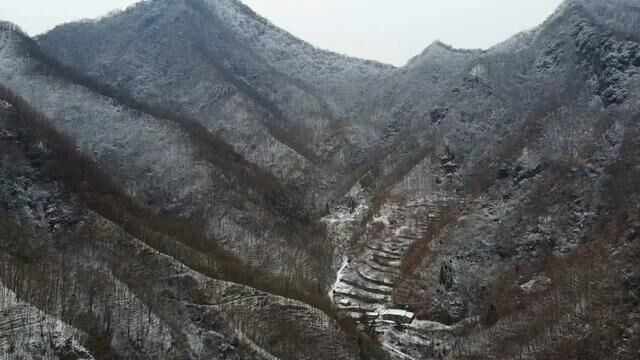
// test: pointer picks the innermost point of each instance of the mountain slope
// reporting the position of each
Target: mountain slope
(520, 142)
(142, 152)
(489, 192)
(274, 97)
(113, 280)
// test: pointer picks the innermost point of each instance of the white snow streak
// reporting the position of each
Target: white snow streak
(398, 352)
(345, 262)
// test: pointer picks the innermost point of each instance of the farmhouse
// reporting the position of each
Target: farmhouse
(398, 316)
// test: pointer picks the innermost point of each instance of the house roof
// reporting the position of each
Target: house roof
(398, 312)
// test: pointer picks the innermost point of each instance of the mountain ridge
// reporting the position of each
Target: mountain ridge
(478, 191)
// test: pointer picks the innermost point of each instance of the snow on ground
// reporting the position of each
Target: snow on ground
(342, 222)
(397, 352)
(27, 333)
(339, 275)
(365, 282)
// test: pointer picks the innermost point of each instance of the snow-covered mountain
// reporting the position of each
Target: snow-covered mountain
(277, 99)
(185, 180)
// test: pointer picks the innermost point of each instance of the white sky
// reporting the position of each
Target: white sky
(391, 31)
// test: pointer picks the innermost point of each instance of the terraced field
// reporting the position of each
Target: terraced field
(365, 283)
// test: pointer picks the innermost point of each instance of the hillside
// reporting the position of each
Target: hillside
(287, 202)
(277, 99)
(89, 272)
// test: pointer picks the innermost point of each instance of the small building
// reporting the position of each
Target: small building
(398, 316)
(371, 315)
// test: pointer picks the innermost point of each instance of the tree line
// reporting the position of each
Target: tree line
(211, 146)
(176, 237)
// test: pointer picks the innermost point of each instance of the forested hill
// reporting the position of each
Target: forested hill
(185, 180)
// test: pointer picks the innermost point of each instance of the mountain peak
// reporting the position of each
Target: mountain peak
(439, 51)
(9, 26)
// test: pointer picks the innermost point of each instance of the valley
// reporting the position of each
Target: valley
(185, 180)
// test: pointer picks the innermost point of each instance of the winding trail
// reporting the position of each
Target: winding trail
(345, 262)
(398, 352)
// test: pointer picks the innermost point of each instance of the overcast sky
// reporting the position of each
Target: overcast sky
(391, 31)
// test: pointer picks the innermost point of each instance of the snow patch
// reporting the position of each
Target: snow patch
(339, 275)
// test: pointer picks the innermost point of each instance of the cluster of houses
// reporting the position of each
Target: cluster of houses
(397, 316)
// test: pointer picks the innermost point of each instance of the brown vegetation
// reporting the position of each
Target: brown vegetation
(172, 236)
(420, 249)
(578, 316)
(584, 311)
(212, 147)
